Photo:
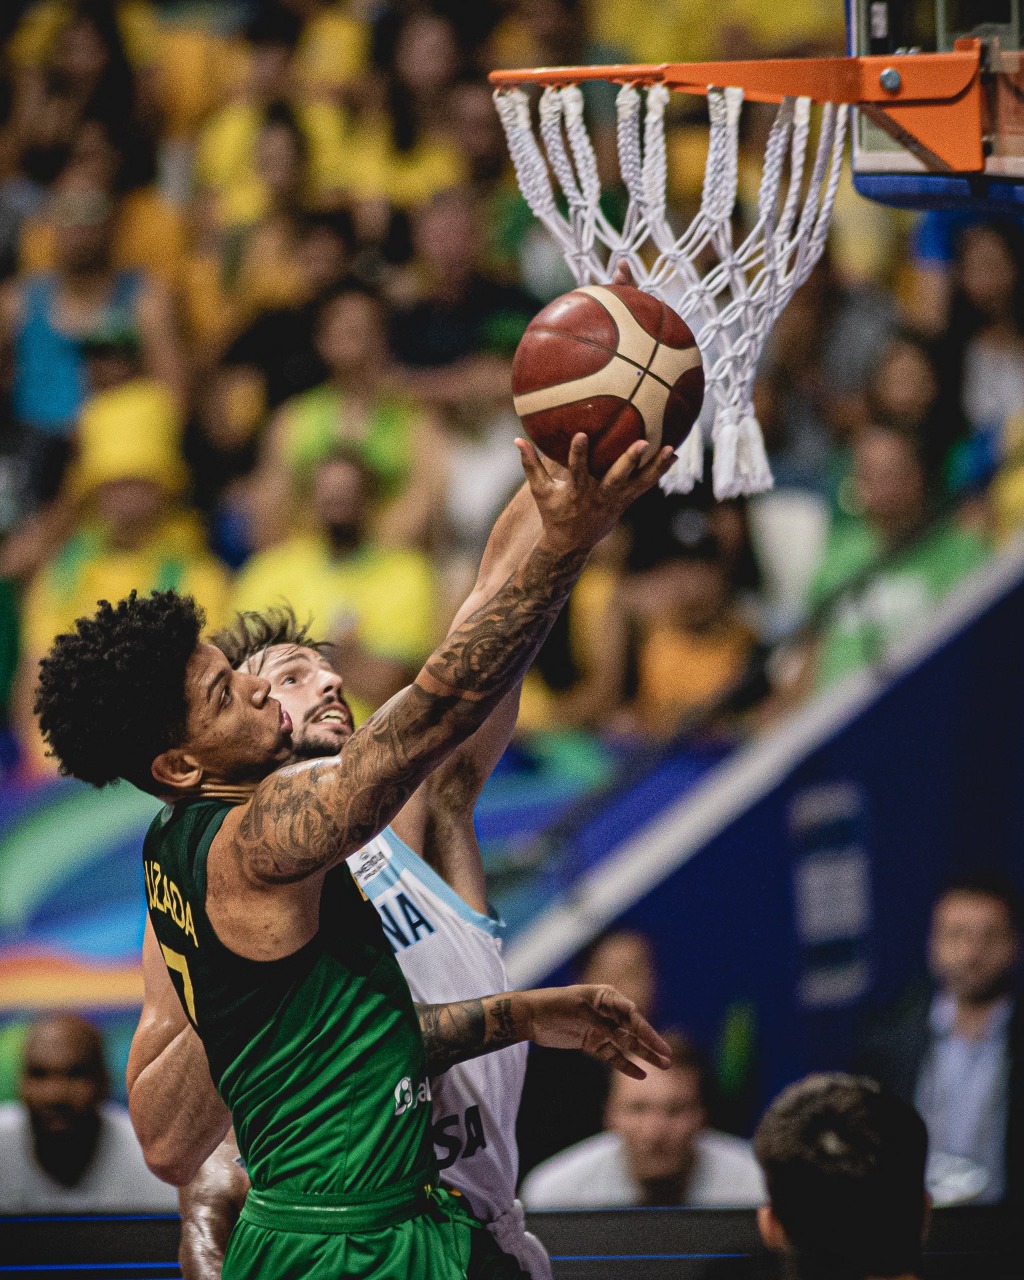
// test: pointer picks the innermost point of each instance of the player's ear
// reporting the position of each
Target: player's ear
(771, 1229)
(176, 770)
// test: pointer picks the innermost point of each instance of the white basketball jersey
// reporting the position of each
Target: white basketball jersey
(450, 952)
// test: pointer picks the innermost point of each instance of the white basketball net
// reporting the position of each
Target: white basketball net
(733, 305)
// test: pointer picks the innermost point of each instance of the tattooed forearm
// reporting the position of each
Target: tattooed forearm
(457, 1032)
(306, 818)
(486, 651)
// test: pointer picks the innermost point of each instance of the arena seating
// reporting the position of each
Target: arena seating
(652, 1244)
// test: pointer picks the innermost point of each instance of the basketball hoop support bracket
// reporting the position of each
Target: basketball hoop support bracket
(936, 108)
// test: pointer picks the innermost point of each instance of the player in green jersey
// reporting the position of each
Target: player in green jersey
(310, 1033)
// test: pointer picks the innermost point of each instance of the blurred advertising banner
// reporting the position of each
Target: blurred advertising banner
(72, 911)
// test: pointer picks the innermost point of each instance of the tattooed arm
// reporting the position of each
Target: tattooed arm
(307, 817)
(597, 1019)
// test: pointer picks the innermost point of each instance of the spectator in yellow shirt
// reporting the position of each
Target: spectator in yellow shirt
(149, 231)
(227, 155)
(407, 154)
(692, 644)
(134, 532)
(376, 603)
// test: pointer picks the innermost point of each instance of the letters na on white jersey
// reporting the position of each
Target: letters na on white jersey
(450, 952)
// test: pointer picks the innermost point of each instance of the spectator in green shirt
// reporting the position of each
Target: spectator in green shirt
(894, 562)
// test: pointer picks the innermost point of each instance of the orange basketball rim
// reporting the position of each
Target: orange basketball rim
(932, 103)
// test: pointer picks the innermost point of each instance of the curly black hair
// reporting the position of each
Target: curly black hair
(253, 631)
(111, 693)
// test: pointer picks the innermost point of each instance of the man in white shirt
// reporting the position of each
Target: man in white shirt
(656, 1150)
(63, 1148)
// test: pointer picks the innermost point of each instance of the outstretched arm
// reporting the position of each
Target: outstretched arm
(166, 1064)
(597, 1019)
(306, 818)
(437, 821)
(210, 1206)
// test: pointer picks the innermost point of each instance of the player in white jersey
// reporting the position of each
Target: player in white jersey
(449, 951)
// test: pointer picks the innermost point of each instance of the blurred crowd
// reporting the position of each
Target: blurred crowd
(264, 268)
(951, 1046)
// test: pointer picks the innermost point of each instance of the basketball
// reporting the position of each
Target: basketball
(613, 362)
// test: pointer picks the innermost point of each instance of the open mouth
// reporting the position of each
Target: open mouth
(334, 716)
(286, 720)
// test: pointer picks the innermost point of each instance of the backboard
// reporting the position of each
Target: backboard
(890, 173)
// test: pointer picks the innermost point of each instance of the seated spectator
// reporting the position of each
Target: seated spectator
(374, 602)
(149, 231)
(656, 1149)
(265, 269)
(956, 1047)
(458, 334)
(404, 154)
(399, 445)
(63, 1147)
(692, 644)
(43, 319)
(279, 346)
(507, 218)
(812, 378)
(889, 566)
(133, 531)
(79, 60)
(577, 679)
(906, 391)
(556, 33)
(844, 1163)
(227, 154)
(983, 350)
(564, 1093)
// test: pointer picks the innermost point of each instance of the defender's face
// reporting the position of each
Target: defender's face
(234, 729)
(311, 692)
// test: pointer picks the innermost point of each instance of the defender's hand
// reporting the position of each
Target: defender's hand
(578, 509)
(600, 1021)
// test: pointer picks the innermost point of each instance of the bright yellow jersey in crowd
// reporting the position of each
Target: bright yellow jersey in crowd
(386, 593)
(87, 569)
(379, 171)
(226, 165)
(692, 30)
(34, 38)
(678, 670)
(150, 235)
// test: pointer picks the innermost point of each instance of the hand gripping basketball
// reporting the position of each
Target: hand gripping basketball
(613, 362)
(576, 508)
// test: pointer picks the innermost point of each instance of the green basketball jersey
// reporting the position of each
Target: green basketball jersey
(318, 1055)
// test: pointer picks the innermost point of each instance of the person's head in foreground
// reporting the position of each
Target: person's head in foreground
(273, 644)
(63, 1082)
(844, 1163)
(974, 943)
(659, 1119)
(132, 692)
